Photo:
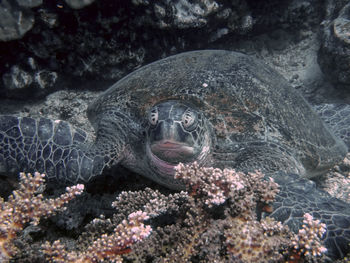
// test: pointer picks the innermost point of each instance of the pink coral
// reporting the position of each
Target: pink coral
(28, 205)
(308, 241)
(247, 239)
(216, 185)
(107, 247)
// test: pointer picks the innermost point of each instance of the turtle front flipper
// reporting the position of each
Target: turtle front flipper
(337, 117)
(298, 196)
(55, 148)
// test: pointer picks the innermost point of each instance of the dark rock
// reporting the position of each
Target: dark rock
(86, 41)
(17, 78)
(45, 79)
(77, 4)
(294, 14)
(334, 53)
(15, 21)
(29, 3)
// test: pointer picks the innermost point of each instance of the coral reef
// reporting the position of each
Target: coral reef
(216, 220)
(107, 247)
(215, 186)
(27, 204)
(337, 181)
(306, 243)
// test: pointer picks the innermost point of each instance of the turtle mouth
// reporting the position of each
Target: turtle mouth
(172, 152)
(166, 154)
(170, 148)
(163, 167)
(168, 144)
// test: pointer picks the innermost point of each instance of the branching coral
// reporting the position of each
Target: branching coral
(246, 239)
(308, 241)
(107, 247)
(254, 241)
(25, 205)
(215, 186)
(217, 222)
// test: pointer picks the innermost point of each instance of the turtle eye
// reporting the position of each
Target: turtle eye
(153, 117)
(189, 120)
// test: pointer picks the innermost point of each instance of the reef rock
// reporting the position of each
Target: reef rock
(15, 21)
(334, 53)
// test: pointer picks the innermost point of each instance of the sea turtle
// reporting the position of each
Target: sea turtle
(219, 108)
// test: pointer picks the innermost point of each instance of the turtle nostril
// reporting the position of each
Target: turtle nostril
(169, 121)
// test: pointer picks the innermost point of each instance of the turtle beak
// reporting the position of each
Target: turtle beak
(168, 144)
(172, 151)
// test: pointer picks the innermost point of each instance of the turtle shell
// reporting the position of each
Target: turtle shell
(245, 101)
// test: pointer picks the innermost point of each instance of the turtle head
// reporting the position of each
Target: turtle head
(177, 132)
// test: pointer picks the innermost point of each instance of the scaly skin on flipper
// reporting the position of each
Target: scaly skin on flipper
(337, 116)
(46, 146)
(220, 108)
(298, 196)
